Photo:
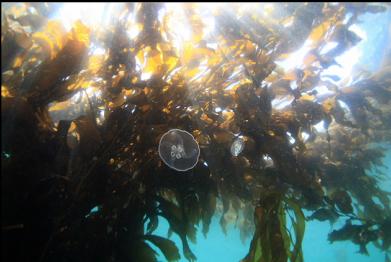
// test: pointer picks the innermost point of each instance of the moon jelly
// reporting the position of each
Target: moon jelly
(179, 150)
(237, 146)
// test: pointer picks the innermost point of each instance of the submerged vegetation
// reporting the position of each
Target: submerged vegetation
(83, 111)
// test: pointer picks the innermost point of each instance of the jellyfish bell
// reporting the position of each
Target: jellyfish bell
(237, 146)
(179, 150)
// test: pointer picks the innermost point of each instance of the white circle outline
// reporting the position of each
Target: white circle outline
(183, 131)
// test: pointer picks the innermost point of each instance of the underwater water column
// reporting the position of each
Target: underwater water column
(115, 126)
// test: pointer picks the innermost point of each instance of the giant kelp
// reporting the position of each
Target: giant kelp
(81, 175)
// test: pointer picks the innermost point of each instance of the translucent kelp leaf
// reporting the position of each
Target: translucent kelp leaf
(237, 146)
(95, 63)
(23, 39)
(60, 106)
(51, 39)
(179, 150)
(191, 54)
(73, 137)
(5, 92)
(80, 33)
(154, 61)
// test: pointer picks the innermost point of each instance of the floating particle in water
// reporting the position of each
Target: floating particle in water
(267, 161)
(179, 150)
(93, 210)
(6, 155)
(237, 146)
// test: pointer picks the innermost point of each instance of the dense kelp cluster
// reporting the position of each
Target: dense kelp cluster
(82, 179)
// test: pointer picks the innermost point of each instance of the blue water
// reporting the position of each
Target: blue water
(316, 247)
(215, 247)
(218, 247)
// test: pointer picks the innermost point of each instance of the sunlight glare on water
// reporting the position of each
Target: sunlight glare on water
(91, 14)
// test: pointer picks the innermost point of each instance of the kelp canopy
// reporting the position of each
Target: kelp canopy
(83, 110)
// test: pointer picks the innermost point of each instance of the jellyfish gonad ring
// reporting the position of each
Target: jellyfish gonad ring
(179, 150)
